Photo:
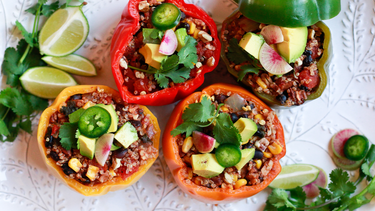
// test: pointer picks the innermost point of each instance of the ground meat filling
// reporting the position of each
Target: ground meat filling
(141, 83)
(294, 87)
(122, 162)
(257, 169)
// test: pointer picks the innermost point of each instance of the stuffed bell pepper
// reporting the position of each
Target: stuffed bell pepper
(161, 50)
(223, 144)
(95, 142)
(280, 49)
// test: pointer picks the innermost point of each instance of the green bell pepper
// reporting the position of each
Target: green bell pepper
(322, 64)
(289, 13)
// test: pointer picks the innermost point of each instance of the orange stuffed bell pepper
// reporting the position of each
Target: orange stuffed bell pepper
(94, 142)
(223, 144)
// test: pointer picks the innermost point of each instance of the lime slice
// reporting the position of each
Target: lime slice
(64, 32)
(295, 175)
(46, 82)
(73, 63)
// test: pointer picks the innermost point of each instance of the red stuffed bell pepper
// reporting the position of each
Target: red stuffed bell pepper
(148, 67)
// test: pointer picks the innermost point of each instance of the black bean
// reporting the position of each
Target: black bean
(252, 106)
(304, 88)
(76, 97)
(261, 131)
(135, 123)
(183, 16)
(145, 139)
(49, 138)
(54, 156)
(244, 115)
(184, 25)
(66, 169)
(307, 61)
(85, 179)
(120, 153)
(307, 52)
(281, 98)
(220, 98)
(248, 145)
(234, 117)
(258, 154)
(69, 108)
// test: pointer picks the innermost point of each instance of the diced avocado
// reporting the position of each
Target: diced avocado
(294, 44)
(206, 165)
(247, 155)
(251, 43)
(126, 135)
(147, 35)
(152, 56)
(181, 35)
(246, 127)
(86, 146)
(114, 118)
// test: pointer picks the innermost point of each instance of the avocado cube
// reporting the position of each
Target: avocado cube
(206, 165)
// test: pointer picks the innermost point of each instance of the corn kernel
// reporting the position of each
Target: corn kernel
(259, 116)
(91, 172)
(258, 163)
(275, 148)
(267, 154)
(88, 105)
(75, 164)
(196, 32)
(190, 173)
(224, 109)
(188, 143)
(240, 183)
(112, 173)
(192, 27)
(261, 83)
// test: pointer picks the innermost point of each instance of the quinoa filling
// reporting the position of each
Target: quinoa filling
(122, 162)
(137, 76)
(289, 89)
(264, 141)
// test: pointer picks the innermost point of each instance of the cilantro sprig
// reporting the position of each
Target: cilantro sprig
(176, 67)
(18, 107)
(338, 196)
(200, 115)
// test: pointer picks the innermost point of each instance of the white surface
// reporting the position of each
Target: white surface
(348, 102)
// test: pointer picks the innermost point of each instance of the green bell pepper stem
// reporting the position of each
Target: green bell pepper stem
(322, 64)
(290, 13)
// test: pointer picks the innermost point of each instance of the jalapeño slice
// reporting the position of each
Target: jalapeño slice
(166, 16)
(94, 122)
(356, 147)
(228, 155)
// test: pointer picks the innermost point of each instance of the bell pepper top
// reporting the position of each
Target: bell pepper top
(291, 13)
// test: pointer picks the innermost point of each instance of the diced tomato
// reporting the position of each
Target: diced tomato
(122, 171)
(141, 85)
(283, 84)
(55, 129)
(308, 80)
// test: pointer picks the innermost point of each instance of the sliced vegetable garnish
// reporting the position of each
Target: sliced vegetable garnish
(166, 16)
(94, 122)
(356, 147)
(228, 155)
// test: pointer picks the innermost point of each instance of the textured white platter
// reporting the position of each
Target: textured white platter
(348, 102)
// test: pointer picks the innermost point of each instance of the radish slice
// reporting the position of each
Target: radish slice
(346, 164)
(168, 44)
(272, 61)
(204, 143)
(339, 139)
(312, 189)
(103, 147)
(272, 34)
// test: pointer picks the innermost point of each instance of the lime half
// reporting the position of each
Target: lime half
(73, 63)
(295, 175)
(64, 32)
(46, 82)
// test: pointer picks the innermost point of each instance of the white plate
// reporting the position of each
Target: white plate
(348, 102)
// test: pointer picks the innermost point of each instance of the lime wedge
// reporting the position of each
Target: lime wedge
(64, 32)
(73, 63)
(295, 175)
(46, 82)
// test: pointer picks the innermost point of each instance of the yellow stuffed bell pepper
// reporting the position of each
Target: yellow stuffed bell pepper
(94, 142)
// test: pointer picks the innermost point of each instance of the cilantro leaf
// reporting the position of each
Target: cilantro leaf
(366, 169)
(238, 55)
(11, 98)
(246, 69)
(169, 63)
(188, 54)
(26, 126)
(42, 1)
(162, 80)
(3, 128)
(186, 127)
(74, 117)
(298, 196)
(67, 134)
(225, 132)
(340, 184)
(11, 68)
(199, 112)
(37, 103)
(279, 198)
(48, 9)
(28, 36)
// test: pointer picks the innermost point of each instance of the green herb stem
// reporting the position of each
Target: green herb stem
(2, 119)
(142, 70)
(318, 206)
(363, 192)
